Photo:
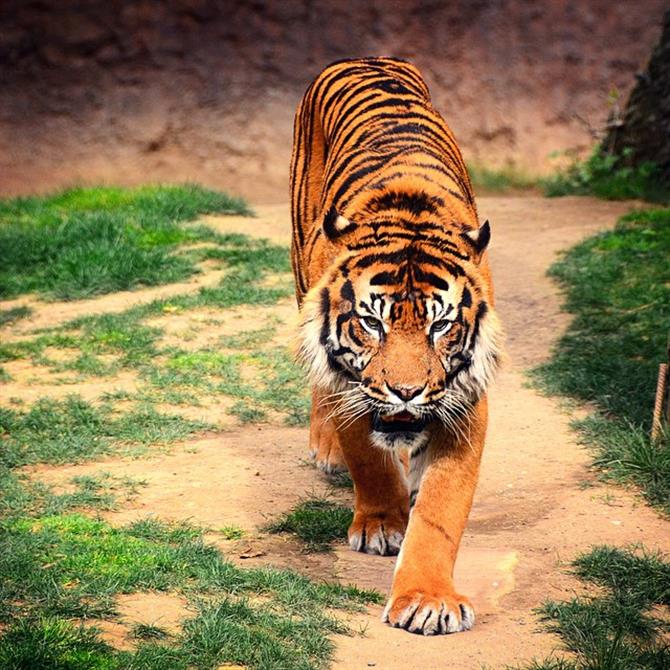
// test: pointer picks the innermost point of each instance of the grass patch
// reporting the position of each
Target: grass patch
(103, 344)
(317, 522)
(59, 562)
(69, 566)
(606, 176)
(72, 430)
(10, 316)
(500, 180)
(618, 287)
(99, 492)
(624, 627)
(259, 380)
(90, 241)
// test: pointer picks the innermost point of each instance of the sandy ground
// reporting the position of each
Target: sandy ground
(537, 505)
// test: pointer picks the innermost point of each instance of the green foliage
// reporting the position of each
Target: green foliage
(501, 180)
(625, 626)
(143, 631)
(316, 521)
(71, 430)
(9, 316)
(605, 176)
(59, 565)
(84, 242)
(70, 566)
(54, 644)
(232, 532)
(618, 286)
(278, 383)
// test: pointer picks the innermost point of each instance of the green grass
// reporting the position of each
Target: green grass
(606, 176)
(64, 567)
(232, 532)
(73, 430)
(316, 521)
(500, 180)
(143, 631)
(104, 344)
(278, 383)
(90, 241)
(246, 262)
(25, 497)
(625, 626)
(10, 316)
(618, 287)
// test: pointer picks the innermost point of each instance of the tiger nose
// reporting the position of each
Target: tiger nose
(405, 392)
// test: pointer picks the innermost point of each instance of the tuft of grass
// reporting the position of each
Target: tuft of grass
(341, 480)
(232, 532)
(316, 521)
(500, 180)
(606, 176)
(9, 316)
(626, 625)
(144, 631)
(618, 287)
(88, 241)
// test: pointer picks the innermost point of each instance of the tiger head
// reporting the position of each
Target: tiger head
(403, 331)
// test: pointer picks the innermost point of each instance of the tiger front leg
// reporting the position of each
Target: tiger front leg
(381, 497)
(423, 597)
(324, 445)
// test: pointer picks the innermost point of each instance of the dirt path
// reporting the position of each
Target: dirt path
(537, 504)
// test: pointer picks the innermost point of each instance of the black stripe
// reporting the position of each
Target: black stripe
(325, 313)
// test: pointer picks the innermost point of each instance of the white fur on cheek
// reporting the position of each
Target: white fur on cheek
(485, 359)
(312, 352)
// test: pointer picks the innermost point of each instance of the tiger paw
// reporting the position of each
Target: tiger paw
(377, 534)
(418, 612)
(328, 455)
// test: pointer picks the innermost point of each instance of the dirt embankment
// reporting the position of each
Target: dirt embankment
(201, 90)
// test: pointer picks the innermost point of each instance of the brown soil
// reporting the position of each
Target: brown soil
(538, 503)
(164, 610)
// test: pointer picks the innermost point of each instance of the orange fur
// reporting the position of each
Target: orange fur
(398, 328)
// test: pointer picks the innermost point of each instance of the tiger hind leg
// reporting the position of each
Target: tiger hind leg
(324, 444)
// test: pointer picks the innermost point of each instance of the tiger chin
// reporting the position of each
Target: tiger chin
(397, 327)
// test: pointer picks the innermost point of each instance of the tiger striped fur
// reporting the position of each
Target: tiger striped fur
(398, 330)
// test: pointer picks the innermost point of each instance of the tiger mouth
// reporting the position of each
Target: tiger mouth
(403, 422)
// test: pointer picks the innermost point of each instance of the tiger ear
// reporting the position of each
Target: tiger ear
(334, 224)
(480, 238)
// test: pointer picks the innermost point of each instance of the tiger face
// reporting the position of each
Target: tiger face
(404, 334)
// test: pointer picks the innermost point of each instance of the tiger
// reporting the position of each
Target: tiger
(397, 326)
